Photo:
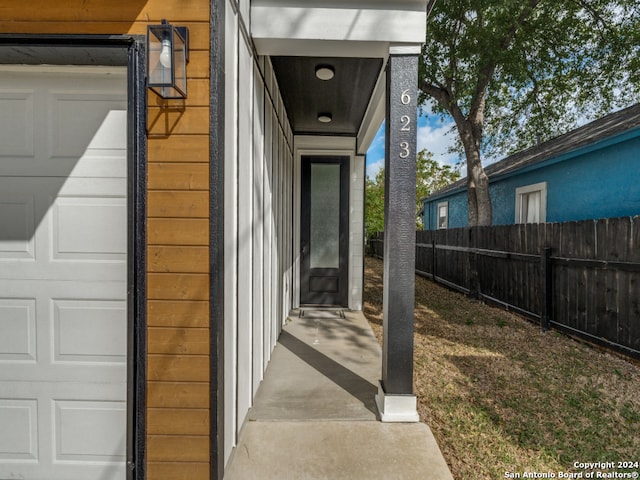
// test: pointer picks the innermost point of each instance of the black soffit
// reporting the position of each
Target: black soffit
(345, 97)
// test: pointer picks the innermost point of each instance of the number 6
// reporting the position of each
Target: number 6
(405, 98)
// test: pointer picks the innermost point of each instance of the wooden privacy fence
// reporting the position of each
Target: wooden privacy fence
(580, 277)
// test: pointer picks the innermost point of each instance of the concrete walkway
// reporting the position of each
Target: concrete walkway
(315, 416)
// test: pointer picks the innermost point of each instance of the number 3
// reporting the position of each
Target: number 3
(404, 147)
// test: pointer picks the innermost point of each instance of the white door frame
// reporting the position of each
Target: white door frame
(333, 146)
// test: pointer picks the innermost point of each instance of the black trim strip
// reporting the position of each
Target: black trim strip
(137, 148)
(129, 51)
(216, 236)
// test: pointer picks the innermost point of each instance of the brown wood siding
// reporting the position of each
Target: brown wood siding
(167, 313)
(178, 231)
(178, 414)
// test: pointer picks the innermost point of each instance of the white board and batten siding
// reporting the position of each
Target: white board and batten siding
(63, 272)
(258, 247)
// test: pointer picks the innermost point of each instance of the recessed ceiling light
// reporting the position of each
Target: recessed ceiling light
(324, 117)
(325, 72)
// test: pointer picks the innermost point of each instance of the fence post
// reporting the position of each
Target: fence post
(546, 279)
(474, 276)
(433, 260)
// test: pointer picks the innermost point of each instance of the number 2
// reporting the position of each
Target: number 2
(405, 123)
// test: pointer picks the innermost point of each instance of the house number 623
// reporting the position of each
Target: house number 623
(405, 120)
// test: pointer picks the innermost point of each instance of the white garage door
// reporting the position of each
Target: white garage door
(63, 243)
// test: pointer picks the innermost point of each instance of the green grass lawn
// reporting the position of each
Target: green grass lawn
(503, 397)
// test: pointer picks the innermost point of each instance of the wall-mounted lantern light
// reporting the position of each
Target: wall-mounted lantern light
(168, 55)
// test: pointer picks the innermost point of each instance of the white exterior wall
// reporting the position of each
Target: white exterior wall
(230, 231)
(356, 232)
(246, 223)
(260, 349)
(257, 212)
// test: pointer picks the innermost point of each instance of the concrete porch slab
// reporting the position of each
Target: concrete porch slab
(315, 416)
(338, 450)
(324, 367)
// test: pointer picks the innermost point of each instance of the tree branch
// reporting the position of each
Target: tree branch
(476, 112)
(439, 93)
(453, 57)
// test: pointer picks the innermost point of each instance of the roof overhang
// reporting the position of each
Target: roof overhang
(355, 37)
(397, 21)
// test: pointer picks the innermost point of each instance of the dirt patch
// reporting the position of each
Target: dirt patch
(501, 396)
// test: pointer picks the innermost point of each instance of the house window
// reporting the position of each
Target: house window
(531, 203)
(443, 214)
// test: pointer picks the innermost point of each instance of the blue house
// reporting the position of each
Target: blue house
(591, 172)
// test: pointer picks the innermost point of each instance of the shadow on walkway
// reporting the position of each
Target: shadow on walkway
(315, 417)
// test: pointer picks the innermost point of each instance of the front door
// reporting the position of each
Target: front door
(324, 239)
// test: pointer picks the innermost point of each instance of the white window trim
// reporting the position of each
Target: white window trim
(535, 187)
(446, 223)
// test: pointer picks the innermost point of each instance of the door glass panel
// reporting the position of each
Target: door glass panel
(325, 215)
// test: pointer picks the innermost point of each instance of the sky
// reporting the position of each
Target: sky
(433, 134)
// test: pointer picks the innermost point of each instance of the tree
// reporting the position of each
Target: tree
(514, 72)
(374, 204)
(430, 177)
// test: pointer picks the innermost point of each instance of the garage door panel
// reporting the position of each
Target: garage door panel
(17, 217)
(52, 391)
(64, 331)
(66, 373)
(16, 124)
(90, 331)
(69, 471)
(101, 163)
(55, 437)
(18, 339)
(63, 229)
(54, 128)
(93, 187)
(67, 270)
(89, 228)
(84, 433)
(98, 206)
(78, 121)
(63, 290)
(19, 416)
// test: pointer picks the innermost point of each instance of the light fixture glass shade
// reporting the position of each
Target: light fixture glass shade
(325, 117)
(167, 53)
(325, 72)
